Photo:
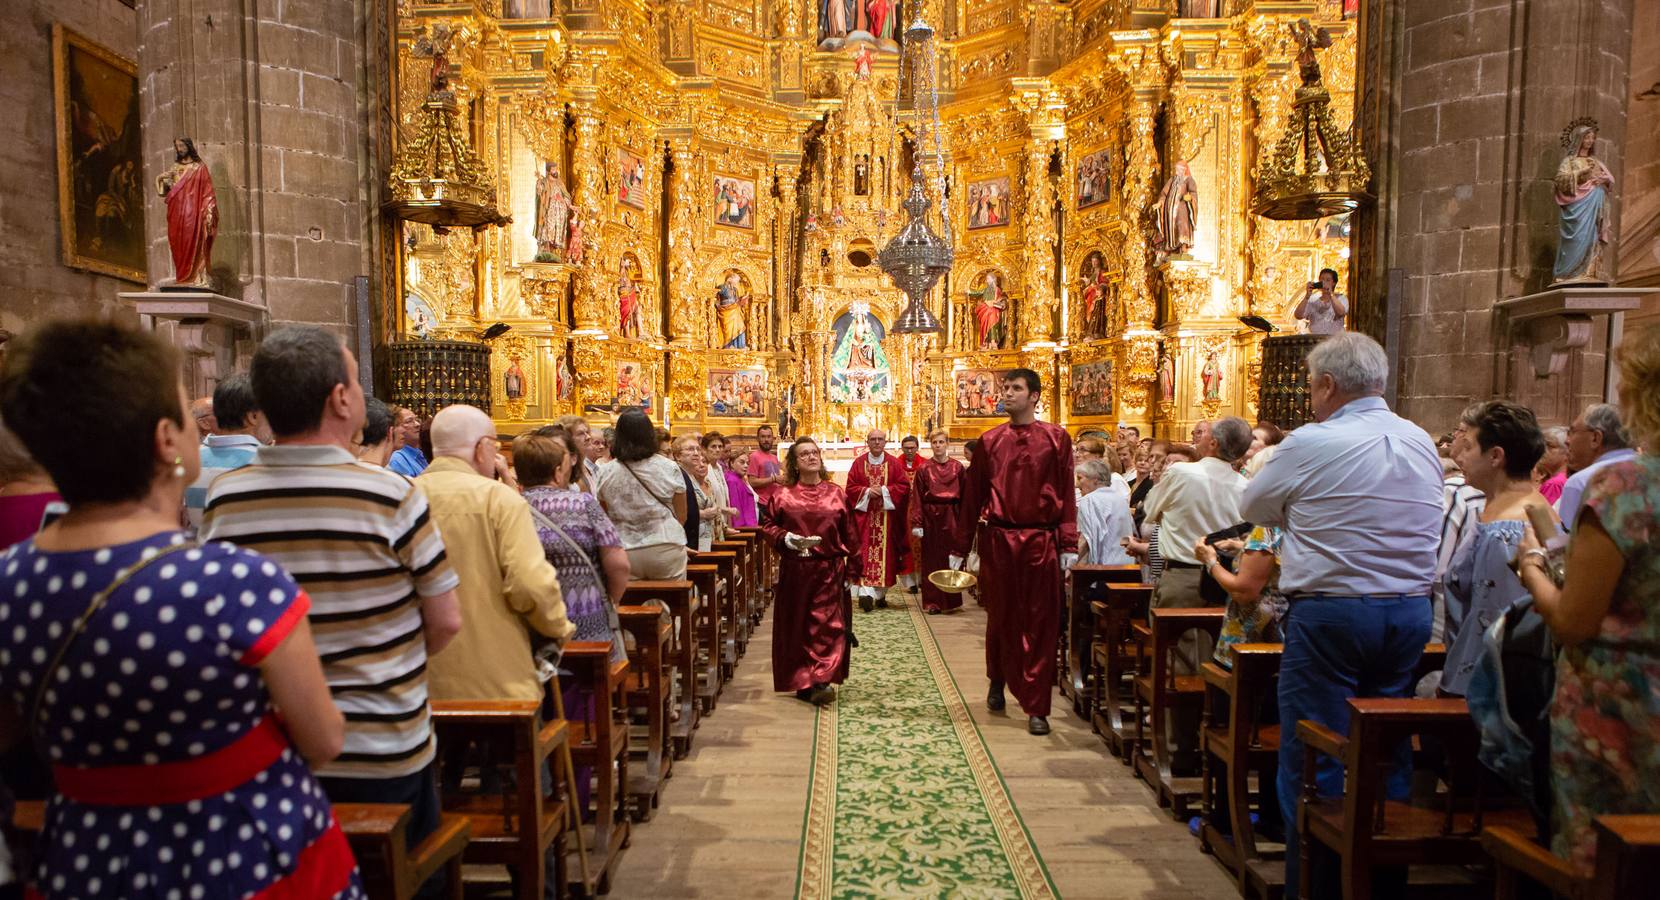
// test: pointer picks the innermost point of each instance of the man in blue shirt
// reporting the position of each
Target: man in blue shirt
(407, 459)
(1595, 440)
(1359, 495)
(241, 431)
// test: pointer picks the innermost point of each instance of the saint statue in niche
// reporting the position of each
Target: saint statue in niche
(1095, 296)
(1582, 185)
(1167, 379)
(553, 215)
(630, 318)
(192, 216)
(513, 381)
(989, 305)
(731, 300)
(1211, 377)
(1176, 218)
(573, 240)
(861, 175)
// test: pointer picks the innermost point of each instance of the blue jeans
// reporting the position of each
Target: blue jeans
(1337, 648)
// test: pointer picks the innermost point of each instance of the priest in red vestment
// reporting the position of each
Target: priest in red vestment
(878, 490)
(812, 612)
(910, 574)
(1021, 481)
(936, 495)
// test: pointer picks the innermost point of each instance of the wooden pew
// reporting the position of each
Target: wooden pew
(767, 571)
(646, 688)
(1162, 692)
(516, 824)
(681, 600)
(1628, 855)
(600, 740)
(1117, 655)
(1076, 669)
(1365, 828)
(376, 831)
(742, 590)
(711, 592)
(1236, 744)
(726, 562)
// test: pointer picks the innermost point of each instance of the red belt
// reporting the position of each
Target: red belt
(176, 782)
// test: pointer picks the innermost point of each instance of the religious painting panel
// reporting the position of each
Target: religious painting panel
(630, 179)
(100, 166)
(418, 317)
(988, 203)
(734, 201)
(1092, 389)
(989, 312)
(979, 393)
(850, 22)
(859, 370)
(732, 303)
(632, 389)
(737, 393)
(1094, 179)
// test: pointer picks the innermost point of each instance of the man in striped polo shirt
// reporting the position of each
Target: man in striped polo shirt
(360, 541)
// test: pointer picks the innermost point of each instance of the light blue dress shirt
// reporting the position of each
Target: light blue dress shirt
(407, 461)
(1573, 492)
(1104, 520)
(1360, 498)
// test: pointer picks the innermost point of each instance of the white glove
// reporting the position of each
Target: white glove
(955, 562)
(1068, 560)
(916, 532)
(793, 540)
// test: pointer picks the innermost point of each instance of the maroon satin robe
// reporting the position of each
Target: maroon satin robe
(812, 610)
(936, 495)
(1021, 480)
(882, 532)
(913, 546)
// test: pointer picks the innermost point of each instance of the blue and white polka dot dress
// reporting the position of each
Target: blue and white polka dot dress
(173, 779)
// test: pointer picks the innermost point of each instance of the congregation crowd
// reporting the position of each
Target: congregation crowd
(219, 616)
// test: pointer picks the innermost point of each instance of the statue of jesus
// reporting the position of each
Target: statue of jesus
(192, 215)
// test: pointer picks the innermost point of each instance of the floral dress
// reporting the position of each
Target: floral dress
(579, 516)
(174, 776)
(1258, 622)
(1605, 717)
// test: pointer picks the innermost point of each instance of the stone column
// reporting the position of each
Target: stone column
(588, 172)
(1483, 92)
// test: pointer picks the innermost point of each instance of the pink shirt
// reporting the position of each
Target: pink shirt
(20, 516)
(1551, 488)
(765, 465)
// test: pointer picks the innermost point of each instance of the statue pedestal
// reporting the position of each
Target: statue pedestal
(1555, 322)
(205, 325)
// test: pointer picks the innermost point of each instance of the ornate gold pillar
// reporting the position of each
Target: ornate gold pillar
(688, 319)
(785, 255)
(1045, 117)
(589, 174)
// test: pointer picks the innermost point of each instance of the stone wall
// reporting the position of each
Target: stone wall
(34, 282)
(1640, 217)
(1485, 88)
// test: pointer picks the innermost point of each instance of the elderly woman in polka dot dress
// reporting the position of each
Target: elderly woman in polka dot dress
(149, 670)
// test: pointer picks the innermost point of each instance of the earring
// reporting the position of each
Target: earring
(178, 467)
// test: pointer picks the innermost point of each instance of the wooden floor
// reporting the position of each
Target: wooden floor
(732, 814)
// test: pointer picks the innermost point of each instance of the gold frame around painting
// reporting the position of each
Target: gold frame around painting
(63, 41)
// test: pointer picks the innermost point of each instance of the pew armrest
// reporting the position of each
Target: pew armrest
(441, 846)
(1318, 737)
(553, 735)
(1513, 850)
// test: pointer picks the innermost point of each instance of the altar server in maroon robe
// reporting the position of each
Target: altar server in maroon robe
(813, 613)
(878, 489)
(910, 574)
(936, 496)
(1021, 481)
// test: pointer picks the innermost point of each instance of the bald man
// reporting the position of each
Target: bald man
(508, 590)
(878, 489)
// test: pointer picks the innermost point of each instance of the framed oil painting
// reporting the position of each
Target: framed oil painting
(100, 164)
(737, 393)
(979, 393)
(631, 179)
(734, 201)
(1094, 178)
(632, 390)
(1092, 389)
(988, 203)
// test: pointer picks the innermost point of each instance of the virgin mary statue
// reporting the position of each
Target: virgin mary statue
(1582, 184)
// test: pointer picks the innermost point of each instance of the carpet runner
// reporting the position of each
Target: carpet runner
(904, 799)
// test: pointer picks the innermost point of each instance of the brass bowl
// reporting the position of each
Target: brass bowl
(952, 581)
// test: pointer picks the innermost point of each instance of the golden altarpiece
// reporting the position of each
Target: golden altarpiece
(699, 188)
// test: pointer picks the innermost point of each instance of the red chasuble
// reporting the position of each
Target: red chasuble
(1021, 481)
(882, 532)
(936, 495)
(812, 608)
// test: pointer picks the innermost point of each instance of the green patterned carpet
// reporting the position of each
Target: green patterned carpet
(905, 800)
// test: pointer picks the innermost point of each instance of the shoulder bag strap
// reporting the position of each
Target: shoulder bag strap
(611, 618)
(666, 504)
(36, 705)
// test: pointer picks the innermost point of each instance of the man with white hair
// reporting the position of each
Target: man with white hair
(1103, 515)
(508, 589)
(1359, 494)
(1595, 440)
(879, 489)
